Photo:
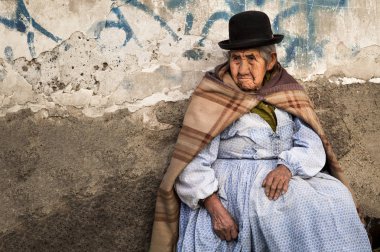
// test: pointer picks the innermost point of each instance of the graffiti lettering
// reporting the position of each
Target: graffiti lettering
(22, 23)
(157, 18)
(307, 44)
(121, 24)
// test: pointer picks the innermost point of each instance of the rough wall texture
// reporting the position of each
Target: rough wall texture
(92, 94)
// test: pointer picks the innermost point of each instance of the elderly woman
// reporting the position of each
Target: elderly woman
(251, 162)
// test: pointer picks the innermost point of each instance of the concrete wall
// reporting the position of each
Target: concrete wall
(92, 94)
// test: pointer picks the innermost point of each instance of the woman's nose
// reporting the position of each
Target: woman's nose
(243, 68)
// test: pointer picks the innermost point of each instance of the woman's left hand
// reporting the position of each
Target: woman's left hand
(277, 181)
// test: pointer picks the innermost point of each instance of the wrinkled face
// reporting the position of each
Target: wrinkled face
(248, 68)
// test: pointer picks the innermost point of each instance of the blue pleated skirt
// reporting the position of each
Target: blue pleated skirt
(316, 214)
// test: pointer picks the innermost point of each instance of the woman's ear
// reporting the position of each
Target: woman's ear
(272, 62)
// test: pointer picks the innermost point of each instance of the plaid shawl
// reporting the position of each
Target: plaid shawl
(215, 104)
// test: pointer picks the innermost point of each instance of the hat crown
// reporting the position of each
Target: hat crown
(250, 29)
(250, 25)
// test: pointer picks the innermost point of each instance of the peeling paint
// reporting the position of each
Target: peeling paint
(346, 80)
(167, 96)
(375, 80)
(114, 54)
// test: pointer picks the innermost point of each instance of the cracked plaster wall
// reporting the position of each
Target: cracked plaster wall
(92, 94)
(100, 56)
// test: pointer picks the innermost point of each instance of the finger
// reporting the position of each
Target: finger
(268, 184)
(228, 235)
(237, 228)
(234, 233)
(264, 181)
(278, 190)
(285, 187)
(273, 188)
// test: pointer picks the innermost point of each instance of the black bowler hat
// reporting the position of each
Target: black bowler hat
(249, 29)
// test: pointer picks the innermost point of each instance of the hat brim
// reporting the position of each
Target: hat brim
(250, 43)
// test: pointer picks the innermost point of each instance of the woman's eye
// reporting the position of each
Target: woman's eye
(235, 59)
(251, 58)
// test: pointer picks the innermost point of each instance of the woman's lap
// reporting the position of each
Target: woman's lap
(316, 214)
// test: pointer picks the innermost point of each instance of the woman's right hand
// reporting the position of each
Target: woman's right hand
(223, 224)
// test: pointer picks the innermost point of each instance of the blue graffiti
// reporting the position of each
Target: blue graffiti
(222, 15)
(328, 3)
(22, 23)
(307, 45)
(236, 6)
(174, 4)
(194, 54)
(260, 2)
(160, 20)
(197, 53)
(8, 52)
(189, 23)
(121, 24)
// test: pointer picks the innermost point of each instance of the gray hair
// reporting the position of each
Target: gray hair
(265, 52)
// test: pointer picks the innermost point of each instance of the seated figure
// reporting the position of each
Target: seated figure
(252, 167)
